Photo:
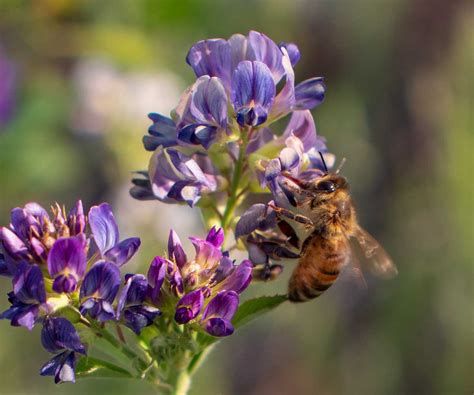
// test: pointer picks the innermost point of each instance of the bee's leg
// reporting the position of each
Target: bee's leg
(295, 217)
(289, 232)
(273, 249)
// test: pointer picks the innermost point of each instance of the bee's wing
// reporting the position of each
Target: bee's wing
(352, 272)
(377, 258)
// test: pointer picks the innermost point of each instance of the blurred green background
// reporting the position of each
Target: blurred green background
(399, 107)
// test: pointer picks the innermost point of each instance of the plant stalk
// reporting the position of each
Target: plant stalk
(235, 184)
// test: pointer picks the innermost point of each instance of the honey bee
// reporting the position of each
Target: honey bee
(332, 222)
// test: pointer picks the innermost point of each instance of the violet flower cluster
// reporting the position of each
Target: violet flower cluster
(221, 142)
(220, 145)
(227, 112)
(205, 288)
(51, 268)
(56, 269)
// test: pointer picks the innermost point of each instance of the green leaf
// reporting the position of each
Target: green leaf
(247, 311)
(93, 367)
(255, 307)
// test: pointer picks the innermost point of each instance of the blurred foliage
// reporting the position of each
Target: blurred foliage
(399, 107)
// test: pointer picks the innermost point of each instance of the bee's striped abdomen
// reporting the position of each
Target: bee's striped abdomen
(318, 268)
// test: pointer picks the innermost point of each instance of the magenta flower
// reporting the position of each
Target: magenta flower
(217, 316)
(32, 232)
(67, 263)
(195, 284)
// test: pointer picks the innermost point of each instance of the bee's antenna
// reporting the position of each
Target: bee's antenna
(340, 165)
(324, 162)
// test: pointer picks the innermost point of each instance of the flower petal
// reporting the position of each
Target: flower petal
(239, 279)
(289, 158)
(13, 244)
(216, 236)
(59, 334)
(103, 226)
(309, 93)
(139, 317)
(293, 52)
(258, 216)
(253, 92)
(162, 132)
(28, 284)
(22, 315)
(266, 51)
(175, 249)
(123, 251)
(223, 305)
(209, 102)
(189, 307)
(302, 126)
(207, 254)
(133, 293)
(285, 99)
(62, 367)
(101, 282)
(67, 254)
(211, 57)
(76, 219)
(156, 276)
(197, 134)
(218, 327)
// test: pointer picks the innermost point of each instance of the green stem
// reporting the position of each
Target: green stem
(198, 359)
(181, 383)
(123, 348)
(235, 184)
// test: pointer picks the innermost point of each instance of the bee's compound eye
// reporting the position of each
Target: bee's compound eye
(326, 186)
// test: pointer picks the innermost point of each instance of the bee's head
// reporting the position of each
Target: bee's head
(317, 189)
(329, 184)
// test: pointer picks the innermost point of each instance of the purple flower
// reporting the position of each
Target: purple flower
(8, 84)
(269, 242)
(293, 52)
(204, 115)
(27, 297)
(309, 93)
(176, 250)
(131, 306)
(238, 278)
(162, 132)
(32, 232)
(106, 236)
(59, 336)
(189, 306)
(67, 263)
(249, 68)
(98, 291)
(176, 177)
(258, 216)
(216, 319)
(253, 92)
(156, 276)
(191, 282)
(215, 237)
(300, 155)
